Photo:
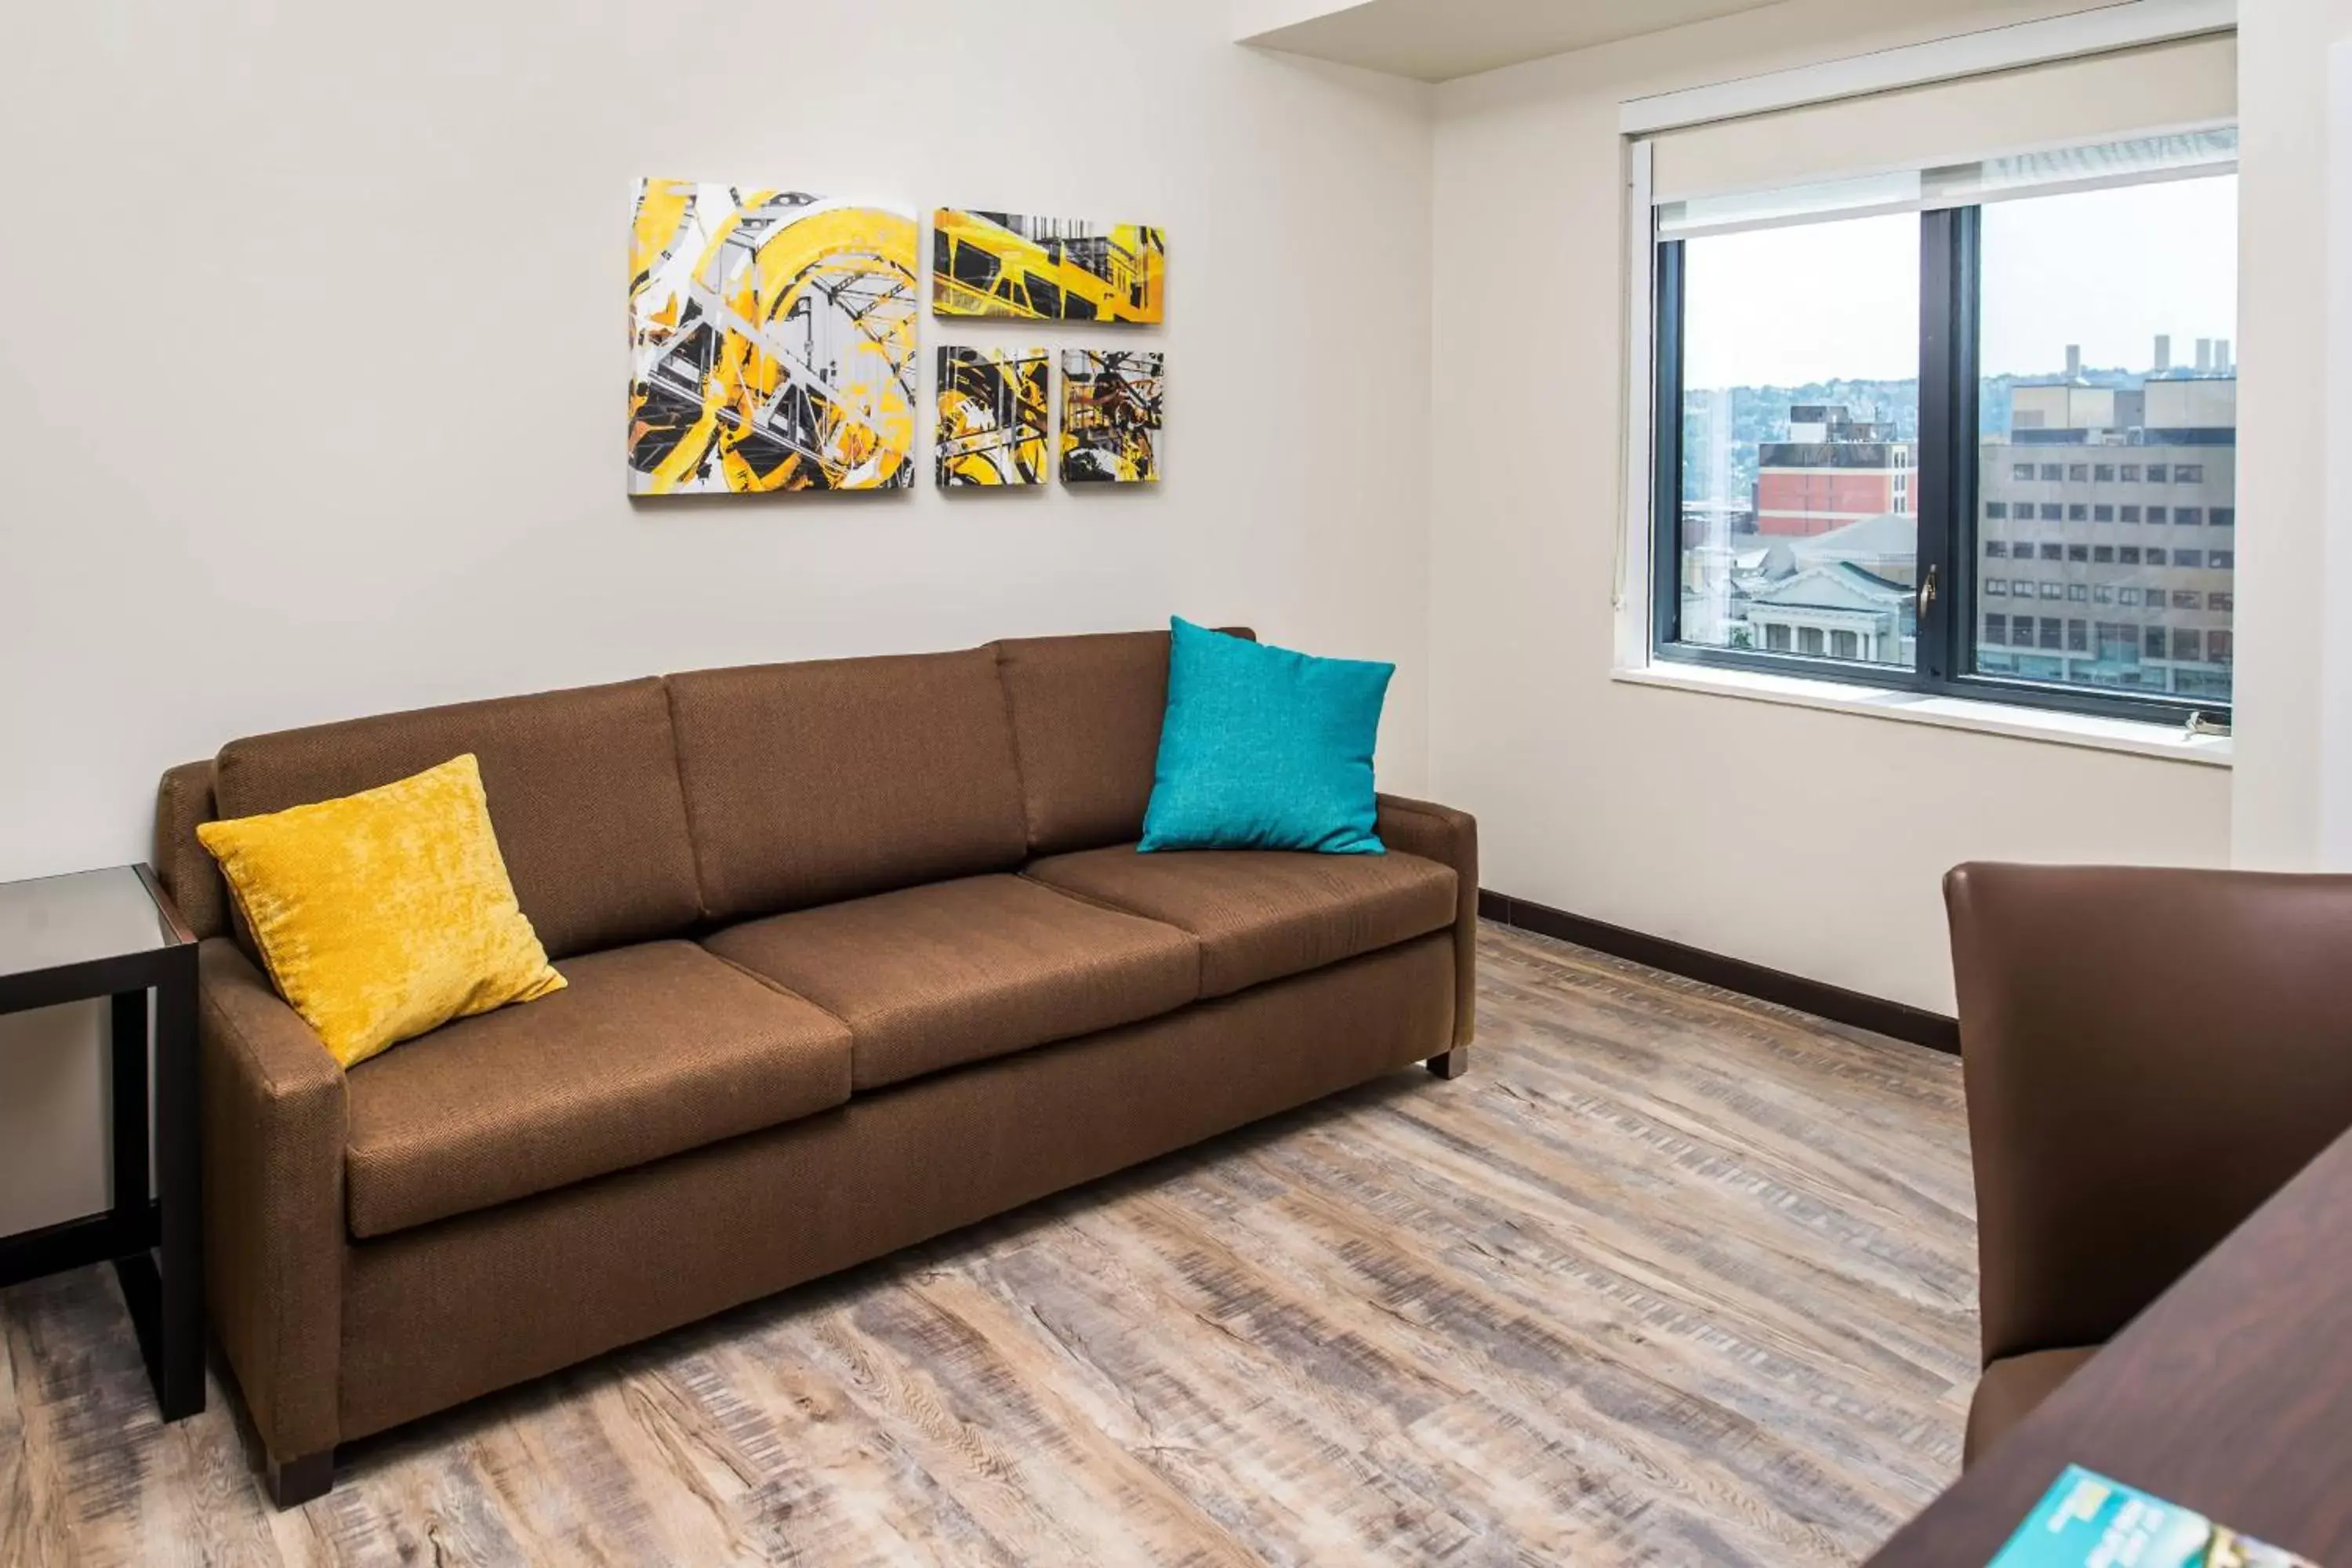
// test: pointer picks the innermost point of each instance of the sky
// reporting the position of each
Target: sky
(2108, 269)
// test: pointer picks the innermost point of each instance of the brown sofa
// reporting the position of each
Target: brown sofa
(2149, 1055)
(859, 952)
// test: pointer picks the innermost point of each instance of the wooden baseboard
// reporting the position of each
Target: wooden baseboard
(1876, 1014)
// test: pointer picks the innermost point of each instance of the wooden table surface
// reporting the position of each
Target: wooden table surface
(2231, 1395)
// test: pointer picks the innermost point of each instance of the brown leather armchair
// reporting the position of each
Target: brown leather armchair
(2148, 1055)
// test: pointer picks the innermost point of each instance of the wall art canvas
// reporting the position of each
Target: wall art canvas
(1110, 416)
(993, 411)
(771, 342)
(1046, 268)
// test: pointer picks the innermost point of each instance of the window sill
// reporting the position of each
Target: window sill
(2161, 740)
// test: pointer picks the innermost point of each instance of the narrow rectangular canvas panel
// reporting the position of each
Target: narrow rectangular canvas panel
(1046, 268)
(771, 342)
(1110, 416)
(992, 408)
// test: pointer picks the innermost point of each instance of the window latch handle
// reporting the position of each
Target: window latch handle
(1926, 591)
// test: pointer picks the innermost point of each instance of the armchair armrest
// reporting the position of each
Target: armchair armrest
(2148, 1055)
(274, 1121)
(1449, 838)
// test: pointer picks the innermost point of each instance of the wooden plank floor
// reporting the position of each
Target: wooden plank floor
(1671, 1277)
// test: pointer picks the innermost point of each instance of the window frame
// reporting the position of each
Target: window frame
(1943, 498)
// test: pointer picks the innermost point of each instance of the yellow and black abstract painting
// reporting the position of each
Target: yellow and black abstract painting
(771, 342)
(1110, 416)
(991, 417)
(1046, 268)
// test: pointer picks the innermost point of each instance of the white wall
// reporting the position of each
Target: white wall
(1809, 841)
(314, 392)
(2294, 745)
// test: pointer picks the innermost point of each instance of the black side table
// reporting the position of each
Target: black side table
(113, 934)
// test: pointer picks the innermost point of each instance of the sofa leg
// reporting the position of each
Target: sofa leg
(293, 1482)
(1453, 1064)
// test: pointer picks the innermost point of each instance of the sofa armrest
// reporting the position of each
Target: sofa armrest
(2148, 1055)
(274, 1123)
(1449, 838)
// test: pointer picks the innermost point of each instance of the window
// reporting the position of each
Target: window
(2225, 558)
(2182, 599)
(2222, 602)
(2189, 646)
(2225, 516)
(1752, 442)
(1843, 403)
(2219, 646)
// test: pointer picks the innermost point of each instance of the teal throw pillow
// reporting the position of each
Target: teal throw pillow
(1264, 749)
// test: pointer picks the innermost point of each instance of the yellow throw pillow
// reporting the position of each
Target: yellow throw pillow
(385, 914)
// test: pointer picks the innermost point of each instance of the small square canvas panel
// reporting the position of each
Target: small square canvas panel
(992, 407)
(1046, 269)
(771, 342)
(1110, 416)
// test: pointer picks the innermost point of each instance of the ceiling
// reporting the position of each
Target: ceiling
(1435, 40)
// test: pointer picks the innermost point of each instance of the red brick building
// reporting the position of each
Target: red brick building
(1832, 471)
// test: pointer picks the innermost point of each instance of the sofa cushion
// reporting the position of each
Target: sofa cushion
(958, 971)
(2011, 1389)
(582, 787)
(1086, 713)
(1260, 914)
(650, 1050)
(809, 783)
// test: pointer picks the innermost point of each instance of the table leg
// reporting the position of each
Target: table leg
(167, 1304)
(132, 1216)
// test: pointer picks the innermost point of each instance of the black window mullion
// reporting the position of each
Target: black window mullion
(1944, 487)
(1667, 446)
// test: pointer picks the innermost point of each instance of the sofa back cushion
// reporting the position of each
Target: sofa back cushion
(191, 877)
(810, 783)
(1086, 713)
(583, 789)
